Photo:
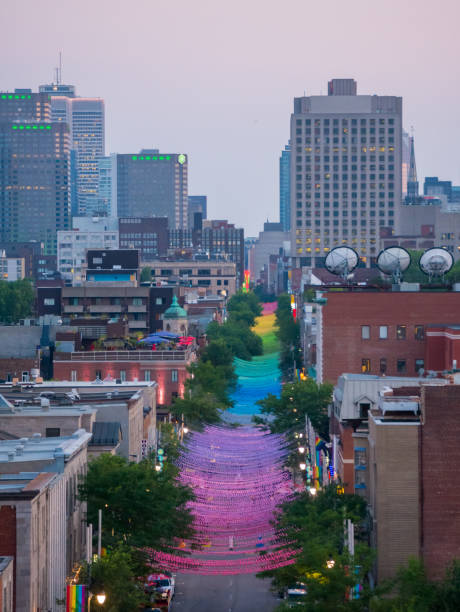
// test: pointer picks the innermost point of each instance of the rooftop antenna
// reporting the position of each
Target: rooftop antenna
(393, 261)
(341, 261)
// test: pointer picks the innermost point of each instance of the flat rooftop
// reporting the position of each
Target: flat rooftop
(36, 448)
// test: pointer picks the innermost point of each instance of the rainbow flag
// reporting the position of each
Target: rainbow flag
(76, 598)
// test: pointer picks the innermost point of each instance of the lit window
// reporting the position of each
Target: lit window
(365, 365)
(400, 332)
(419, 332)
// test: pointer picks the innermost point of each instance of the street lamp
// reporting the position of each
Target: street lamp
(303, 466)
(100, 598)
(330, 563)
(185, 430)
(301, 449)
(312, 491)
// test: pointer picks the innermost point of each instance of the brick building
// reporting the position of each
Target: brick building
(6, 584)
(41, 518)
(101, 306)
(378, 332)
(414, 500)
(167, 368)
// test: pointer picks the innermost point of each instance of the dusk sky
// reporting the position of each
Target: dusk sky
(216, 79)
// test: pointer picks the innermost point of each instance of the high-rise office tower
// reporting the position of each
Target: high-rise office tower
(104, 195)
(405, 156)
(285, 188)
(34, 171)
(197, 204)
(345, 171)
(151, 184)
(86, 120)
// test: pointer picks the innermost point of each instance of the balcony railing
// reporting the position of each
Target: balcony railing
(184, 355)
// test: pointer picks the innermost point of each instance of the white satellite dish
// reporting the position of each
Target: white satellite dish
(393, 261)
(436, 262)
(341, 261)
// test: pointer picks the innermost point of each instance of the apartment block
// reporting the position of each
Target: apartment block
(378, 332)
(346, 160)
(202, 277)
(87, 233)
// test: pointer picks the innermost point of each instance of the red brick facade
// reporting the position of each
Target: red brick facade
(170, 376)
(8, 541)
(13, 368)
(442, 347)
(440, 490)
(342, 347)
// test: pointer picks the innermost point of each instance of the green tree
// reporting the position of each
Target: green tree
(413, 274)
(16, 300)
(198, 409)
(297, 400)
(314, 527)
(241, 300)
(240, 339)
(288, 333)
(208, 378)
(119, 575)
(146, 274)
(220, 355)
(141, 507)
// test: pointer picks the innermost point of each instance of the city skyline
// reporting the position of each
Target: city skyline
(200, 85)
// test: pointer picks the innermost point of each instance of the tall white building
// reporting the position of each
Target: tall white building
(345, 171)
(87, 233)
(86, 120)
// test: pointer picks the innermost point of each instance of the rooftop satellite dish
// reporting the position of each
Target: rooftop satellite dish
(393, 261)
(341, 261)
(436, 262)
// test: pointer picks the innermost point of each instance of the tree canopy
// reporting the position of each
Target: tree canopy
(119, 574)
(314, 527)
(296, 401)
(16, 300)
(141, 507)
(288, 333)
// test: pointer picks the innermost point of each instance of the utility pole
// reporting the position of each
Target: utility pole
(99, 533)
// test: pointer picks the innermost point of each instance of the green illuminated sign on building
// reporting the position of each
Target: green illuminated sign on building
(16, 126)
(151, 157)
(181, 158)
(16, 97)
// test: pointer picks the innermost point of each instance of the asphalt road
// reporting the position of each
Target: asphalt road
(241, 593)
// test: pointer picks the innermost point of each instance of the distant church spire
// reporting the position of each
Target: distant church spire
(412, 182)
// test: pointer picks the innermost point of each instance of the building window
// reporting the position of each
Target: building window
(48, 301)
(73, 301)
(147, 375)
(25, 377)
(123, 375)
(419, 332)
(158, 301)
(137, 301)
(401, 366)
(53, 432)
(173, 375)
(360, 456)
(365, 365)
(383, 365)
(419, 365)
(365, 332)
(360, 479)
(400, 332)
(383, 332)
(73, 375)
(363, 410)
